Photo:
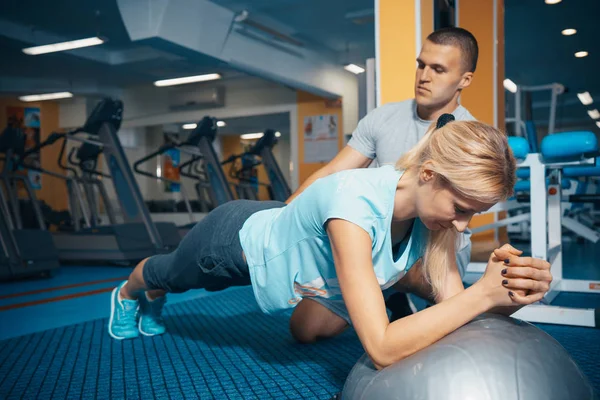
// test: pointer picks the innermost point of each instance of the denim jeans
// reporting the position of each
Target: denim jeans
(210, 255)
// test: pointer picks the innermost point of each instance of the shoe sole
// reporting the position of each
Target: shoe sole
(146, 333)
(113, 296)
(140, 321)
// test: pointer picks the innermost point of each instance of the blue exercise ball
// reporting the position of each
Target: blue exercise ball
(491, 358)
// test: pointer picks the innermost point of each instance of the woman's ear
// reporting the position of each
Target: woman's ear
(426, 173)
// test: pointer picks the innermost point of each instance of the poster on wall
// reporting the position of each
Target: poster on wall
(170, 169)
(320, 138)
(28, 120)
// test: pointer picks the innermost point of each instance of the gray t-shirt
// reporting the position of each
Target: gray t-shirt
(389, 131)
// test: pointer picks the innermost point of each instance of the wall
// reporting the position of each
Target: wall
(309, 105)
(485, 98)
(396, 35)
(53, 189)
(147, 105)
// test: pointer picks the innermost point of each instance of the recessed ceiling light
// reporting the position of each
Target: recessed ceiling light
(221, 124)
(569, 31)
(189, 126)
(46, 96)
(553, 1)
(581, 54)
(187, 79)
(250, 136)
(63, 46)
(594, 114)
(598, 124)
(510, 86)
(585, 98)
(355, 69)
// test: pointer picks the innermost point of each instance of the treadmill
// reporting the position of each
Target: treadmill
(260, 153)
(264, 149)
(137, 237)
(211, 186)
(83, 161)
(23, 252)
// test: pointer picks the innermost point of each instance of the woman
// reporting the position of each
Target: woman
(350, 235)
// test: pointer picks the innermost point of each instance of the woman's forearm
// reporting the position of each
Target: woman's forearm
(417, 331)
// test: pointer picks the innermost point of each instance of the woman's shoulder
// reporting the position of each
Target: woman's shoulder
(373, 187)
(360, 178)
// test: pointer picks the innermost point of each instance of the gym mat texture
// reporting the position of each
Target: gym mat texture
(220, 347)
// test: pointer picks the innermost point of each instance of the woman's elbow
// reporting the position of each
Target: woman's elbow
(377, 366)
(377, 361)
(382, 360)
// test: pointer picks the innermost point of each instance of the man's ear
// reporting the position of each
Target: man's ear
(466, 80)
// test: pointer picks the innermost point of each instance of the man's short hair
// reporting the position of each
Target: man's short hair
(461, 38)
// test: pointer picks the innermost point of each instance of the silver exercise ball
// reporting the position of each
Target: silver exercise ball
(491, 358)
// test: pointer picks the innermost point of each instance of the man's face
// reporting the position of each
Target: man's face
(440, 75)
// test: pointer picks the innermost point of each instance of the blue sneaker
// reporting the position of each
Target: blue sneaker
(151, 322)
(123, 315)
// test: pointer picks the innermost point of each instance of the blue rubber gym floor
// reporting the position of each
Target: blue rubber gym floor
(54, 345)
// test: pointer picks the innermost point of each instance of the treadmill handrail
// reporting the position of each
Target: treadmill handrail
(71, 136)
(236, 172)
(60, 158)
(150, 156)
(192, 161)
(52, 138)
(195, 153)
(84, 168)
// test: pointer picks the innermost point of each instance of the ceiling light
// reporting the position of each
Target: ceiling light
(598, 124)
(581, 54)
(46, 96)
(510, 86)
(595, 114)
(355, 69)
(189, 126)
(221, 124)
(585, 98)
(569, 32)
(277, 134)
(187, 79)
(553, 1)
(63, 46)
(250, 136)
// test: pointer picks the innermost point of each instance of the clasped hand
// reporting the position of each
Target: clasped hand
(514, 280)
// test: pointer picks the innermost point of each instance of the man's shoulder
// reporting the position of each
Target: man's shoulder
(398, 106)
(462, 114)
(400, 109)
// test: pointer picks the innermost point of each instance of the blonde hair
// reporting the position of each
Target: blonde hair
(473, 159)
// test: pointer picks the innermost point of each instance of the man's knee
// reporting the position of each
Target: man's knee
(312, 321)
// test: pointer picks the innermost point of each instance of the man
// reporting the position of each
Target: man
(445, 67)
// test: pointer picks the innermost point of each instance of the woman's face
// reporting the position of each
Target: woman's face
(440, 207)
